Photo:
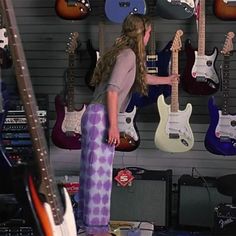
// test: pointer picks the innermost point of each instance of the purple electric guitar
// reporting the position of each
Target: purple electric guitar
(67, 130)
(117, 10)
(220, 138)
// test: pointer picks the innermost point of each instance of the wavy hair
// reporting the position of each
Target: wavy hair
(132, 34)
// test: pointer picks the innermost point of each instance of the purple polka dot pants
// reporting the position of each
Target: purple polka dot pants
(95, 171)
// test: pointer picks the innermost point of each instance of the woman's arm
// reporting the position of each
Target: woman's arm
(112, 109)
(156, 80)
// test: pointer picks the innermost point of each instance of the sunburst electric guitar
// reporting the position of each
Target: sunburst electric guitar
(52, 207)
(200, 76)
(72, 9)
(174, 133)
(220, 138)
(225, 9)
(66, 132)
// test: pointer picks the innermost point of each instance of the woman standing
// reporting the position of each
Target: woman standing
(118, 73)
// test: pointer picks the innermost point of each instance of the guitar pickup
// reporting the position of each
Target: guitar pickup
(71, 2)
(152, 57)
(173, 136)
(225, 139)
(152, 70)
(201, 79)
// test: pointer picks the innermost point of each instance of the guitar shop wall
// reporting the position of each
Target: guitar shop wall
(48, 41)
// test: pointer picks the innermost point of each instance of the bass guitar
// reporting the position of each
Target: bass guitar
(174, 133)
(116, 10)
(200, 77)
(66, 132)
(172, 9)
(72, 9)
(225, 9)
(220, 137)
(53, 209)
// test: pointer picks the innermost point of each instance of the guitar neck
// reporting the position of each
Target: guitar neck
(46, 182)
(174, 88)
(201, 28)
(70, 86)
(225, 85)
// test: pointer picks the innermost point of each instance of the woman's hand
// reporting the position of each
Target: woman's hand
(174, 78)
(113, 136)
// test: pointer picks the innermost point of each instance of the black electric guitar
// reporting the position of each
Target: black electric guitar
(66, 132)
(53, 210)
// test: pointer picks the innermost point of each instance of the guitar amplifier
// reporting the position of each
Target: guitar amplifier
(197, 199)
(225, 220)
(147, 199)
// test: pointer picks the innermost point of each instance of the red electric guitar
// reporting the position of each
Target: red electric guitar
(66, 132)
(52, 205)
(200, 76)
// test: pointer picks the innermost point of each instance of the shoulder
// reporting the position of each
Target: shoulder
(128, 54)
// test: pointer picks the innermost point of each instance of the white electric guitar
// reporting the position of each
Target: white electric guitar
(174, 133)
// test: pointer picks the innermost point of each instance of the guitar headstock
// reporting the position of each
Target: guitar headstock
(177, 44)
(228, 45)
(73, 43)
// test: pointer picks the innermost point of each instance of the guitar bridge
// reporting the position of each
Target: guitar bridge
(173, 136)
(124, 4)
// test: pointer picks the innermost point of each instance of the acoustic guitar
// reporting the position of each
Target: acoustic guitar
(225, 9)
(52, 205)
(200, 77)
(220, 137)
(72, 9)
(174, 133)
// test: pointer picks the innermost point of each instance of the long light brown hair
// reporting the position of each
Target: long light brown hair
(133, 31)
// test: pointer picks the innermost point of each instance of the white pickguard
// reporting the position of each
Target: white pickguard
(126, 123)
(204, 67)
(68, 226)
(224, 127)
(188, 2)
(173, 123)
(72, 121)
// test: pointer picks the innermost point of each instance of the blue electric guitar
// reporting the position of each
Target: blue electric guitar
(220, 138)
(117, 10)
(157, 64)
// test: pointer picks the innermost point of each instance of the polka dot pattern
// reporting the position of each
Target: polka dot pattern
(95, 171)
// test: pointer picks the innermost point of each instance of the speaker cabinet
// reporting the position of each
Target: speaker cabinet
(197, 199)
(147, 199)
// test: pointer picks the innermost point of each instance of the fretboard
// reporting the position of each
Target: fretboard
(201, 29)
(46, 183)
(174, 87)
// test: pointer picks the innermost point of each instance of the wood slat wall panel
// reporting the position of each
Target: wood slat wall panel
(45, 36)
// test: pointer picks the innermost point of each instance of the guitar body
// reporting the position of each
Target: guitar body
(43, 210)
(220, 140)
(173, 133)
(172, 9)
(200, 77)
(116, 11)
(72, 9)
(66, 132)
(154, 91)
(224, 10)
(129, 136)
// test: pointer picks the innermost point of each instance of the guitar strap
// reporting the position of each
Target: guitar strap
(196, 11)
